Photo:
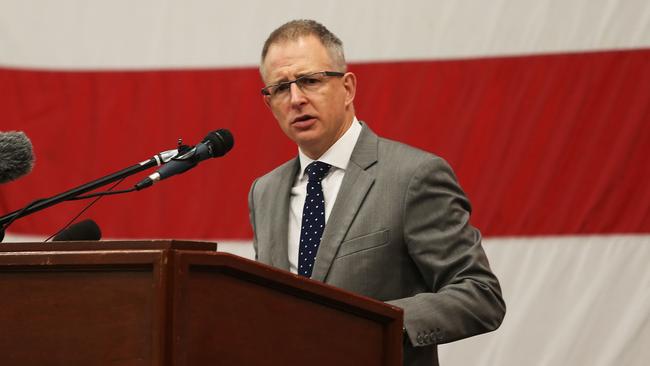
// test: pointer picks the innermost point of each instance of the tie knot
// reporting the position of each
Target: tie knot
(317, 170)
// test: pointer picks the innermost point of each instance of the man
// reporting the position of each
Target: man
(371, 216)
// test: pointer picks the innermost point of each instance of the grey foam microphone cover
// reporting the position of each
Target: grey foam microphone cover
(16, 155)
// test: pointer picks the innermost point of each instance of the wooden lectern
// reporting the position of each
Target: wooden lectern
(179, 303)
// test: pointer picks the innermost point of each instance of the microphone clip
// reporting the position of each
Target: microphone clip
(185, 152)
(182, 148)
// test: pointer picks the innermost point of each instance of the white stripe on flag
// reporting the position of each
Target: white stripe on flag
(117, 34)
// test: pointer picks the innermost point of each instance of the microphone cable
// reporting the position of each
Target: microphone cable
(99, 196)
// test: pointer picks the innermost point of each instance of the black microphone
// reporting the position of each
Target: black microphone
(215, 144)
(16, 156)
(81, 231)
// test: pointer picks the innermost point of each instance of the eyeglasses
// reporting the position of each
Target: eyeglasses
(309, 82)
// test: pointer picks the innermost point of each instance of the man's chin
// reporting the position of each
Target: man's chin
(304, 132)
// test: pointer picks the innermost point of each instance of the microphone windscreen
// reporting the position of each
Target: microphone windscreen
(16, 155)
(83, 230)
(221, 141)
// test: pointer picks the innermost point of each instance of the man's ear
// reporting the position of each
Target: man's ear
(350, 85)
(267, 100)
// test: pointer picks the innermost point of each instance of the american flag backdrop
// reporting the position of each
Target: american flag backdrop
(541, 106)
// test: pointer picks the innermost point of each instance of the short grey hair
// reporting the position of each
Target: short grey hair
(299, 28)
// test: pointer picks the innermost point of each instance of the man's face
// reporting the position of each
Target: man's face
(314, 119)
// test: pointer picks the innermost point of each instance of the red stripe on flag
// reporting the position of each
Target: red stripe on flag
(554, 144)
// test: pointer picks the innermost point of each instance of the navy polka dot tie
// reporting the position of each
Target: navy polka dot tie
(313, 217)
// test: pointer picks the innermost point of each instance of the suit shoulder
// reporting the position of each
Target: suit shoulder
(405, 154)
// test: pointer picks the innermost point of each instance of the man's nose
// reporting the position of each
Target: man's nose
(297, 95)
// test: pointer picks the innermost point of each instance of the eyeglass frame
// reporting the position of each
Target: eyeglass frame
(265, 90)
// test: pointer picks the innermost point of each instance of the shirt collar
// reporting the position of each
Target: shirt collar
(338, 155)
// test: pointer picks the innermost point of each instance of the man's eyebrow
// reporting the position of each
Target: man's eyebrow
(296, 76)
(284, 79)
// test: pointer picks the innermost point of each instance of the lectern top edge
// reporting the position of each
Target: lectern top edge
(109, 245)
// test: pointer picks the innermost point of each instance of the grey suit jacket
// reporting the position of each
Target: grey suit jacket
(398, 232)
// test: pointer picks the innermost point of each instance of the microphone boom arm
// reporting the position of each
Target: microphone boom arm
(158, 159)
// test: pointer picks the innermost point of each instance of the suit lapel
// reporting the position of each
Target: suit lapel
(281, 197)
(354, 187)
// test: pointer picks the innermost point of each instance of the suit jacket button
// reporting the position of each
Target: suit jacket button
(420, 339)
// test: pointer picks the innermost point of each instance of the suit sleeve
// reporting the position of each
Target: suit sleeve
(465, 296)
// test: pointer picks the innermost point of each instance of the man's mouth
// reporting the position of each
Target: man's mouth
(303, 118)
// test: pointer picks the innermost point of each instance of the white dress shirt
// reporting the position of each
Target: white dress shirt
(338, 156)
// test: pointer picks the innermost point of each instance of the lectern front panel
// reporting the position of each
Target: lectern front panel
(88, 308)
